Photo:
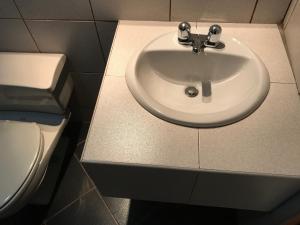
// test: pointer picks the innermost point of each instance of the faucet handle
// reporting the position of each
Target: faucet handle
(214, 34)
(184, 32)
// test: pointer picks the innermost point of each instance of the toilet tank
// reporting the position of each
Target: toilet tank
(34, 82)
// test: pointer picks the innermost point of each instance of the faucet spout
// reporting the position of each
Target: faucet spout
(198, 43)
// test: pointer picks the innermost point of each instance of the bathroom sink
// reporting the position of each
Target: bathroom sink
(209, 89)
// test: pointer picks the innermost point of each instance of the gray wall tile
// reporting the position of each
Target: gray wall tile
(80, 114)
(86, 88)
(289, 12)
(78, 40)
(106, 31)
(131, 9)
(8, 9)
(15, 36)
(212, 10)
(270, 11)
(55, 9)
(292, 35)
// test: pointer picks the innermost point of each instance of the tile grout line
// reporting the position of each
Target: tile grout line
(290, 15)
(11, 18)
(69, 204)
(97, 31)
(84, 171)
(278, 82)
(254, 9)
(97, 191)
(193, 189)
(29, 31)
(100, 196)
(80, 196)
(170, 10)
(62, 20)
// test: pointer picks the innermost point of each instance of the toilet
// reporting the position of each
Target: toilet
(35, 89)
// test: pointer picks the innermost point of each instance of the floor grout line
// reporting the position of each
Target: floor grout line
(112, 214)
(71, 203)
(80, 196)
(97, 191)
(194, 186)
(84, 171)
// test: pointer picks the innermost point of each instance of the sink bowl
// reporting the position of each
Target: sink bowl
(213, 88)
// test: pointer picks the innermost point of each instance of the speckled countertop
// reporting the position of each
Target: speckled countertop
(267, 142)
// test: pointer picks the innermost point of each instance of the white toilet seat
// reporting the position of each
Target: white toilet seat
(21, 149)
(35, 88)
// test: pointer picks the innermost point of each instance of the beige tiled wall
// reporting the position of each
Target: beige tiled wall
(270, 11)
(292, 36)
(213, 10)
(84, 29)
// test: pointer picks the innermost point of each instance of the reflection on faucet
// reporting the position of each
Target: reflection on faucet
(206, 91)
(200, 41)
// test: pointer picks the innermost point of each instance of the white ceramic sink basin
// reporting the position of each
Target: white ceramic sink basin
(231, 82)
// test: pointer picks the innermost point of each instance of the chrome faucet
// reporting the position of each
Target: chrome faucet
(200, 41)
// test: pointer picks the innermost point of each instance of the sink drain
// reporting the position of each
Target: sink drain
(191, 92)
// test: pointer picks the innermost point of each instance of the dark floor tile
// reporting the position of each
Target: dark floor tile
(122, 216)
(74, 183)
(117, 204)
(131, 212)
(7, 221)
(119, 208)
(136, 212)
(173, 214)
(89, 209)
(144, 212)
(30, 214)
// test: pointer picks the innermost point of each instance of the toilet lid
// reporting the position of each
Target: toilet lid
(20, 148)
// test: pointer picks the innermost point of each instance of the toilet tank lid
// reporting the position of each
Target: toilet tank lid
(20, 149)
(32, 70)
